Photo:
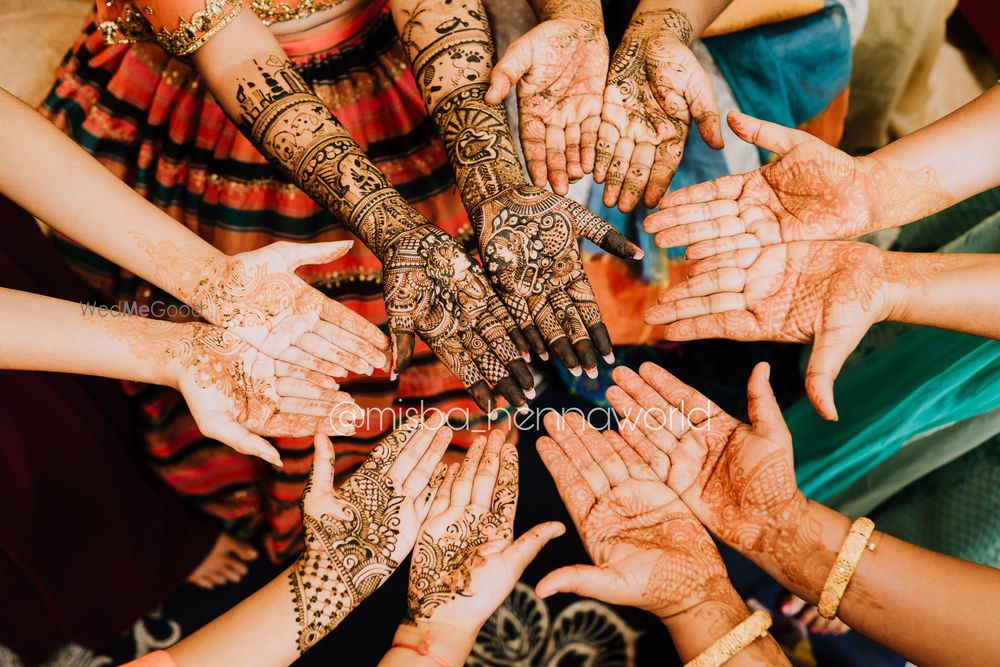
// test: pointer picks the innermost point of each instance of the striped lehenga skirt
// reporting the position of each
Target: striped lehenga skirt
(149, 118)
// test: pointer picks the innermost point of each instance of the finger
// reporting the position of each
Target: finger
(401, 335)
(573, 490)
(296, 356)
(412, 449)
(693, 404)
(306, 254)
(389, 448)
(239, 438)
(655, 458)
(323, 472)
(533, 145)
(615, 176)
(687, 309)
(706, 284)
(353, 344)
(734, 325)
(725, 188)
(305, 406)
(601, 232)
(762, 406)
(727, 225)
(283, 369)
(504, 502)
(512, 65)
(581, 458)
(769, 136)
(574, 166)
(552, 331)
(321, 347)
(582, 294)
(236, 569)
(637, 176)
(569, 317)
(525, 548)
(607, 139)
(601, 450)
(585, 580)
(423, 471)
(294, 387)
(715, 246)
(555, 159)
(657, 424)
(461, 492)
(664, 413)
(534, 338)
(704, 110)
(485, 478)
(443, 497)
(741, 259)
(830, 350)
(667, 159)
(684, 215)
(520, 372)
(426, 496)
(634, 463)
(588, 143)
(347, 320)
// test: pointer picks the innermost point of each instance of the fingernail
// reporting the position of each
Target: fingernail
(786, 608)
(494, 415)
(529, 393)
(592, 373)
(526, 356)
(524, 409)
(609, 358)
(544, 356)
(576, 372)
(639, 255)
(392, 376)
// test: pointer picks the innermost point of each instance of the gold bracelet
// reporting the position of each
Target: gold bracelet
(734, 641)
(843, 568)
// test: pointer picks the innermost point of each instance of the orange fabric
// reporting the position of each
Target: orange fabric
(155, 659)
(829, 124)
(746, 14)
(170, 14)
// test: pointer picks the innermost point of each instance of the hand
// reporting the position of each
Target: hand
(560, 67)
(528, 242)
(829, 292)
(465, 563)
(356, 536)
(738, 479)
(257, 296)
(433, 288)
(649, 551)
(237, 393)
(812, 192)
(655, 87)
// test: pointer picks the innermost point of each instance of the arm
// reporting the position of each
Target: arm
(527, 237)
(255, 294)
(815, 192)
(649, 550)
(739, 480)
(355, 538)
(655, 88)
(236, 392)
(466, 562)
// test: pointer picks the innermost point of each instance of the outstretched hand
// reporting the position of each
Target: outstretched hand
(649, 550)
(560, 67)
(826, 292)
(356, 536)
(812, 192)
(656, 87)
(528, 240)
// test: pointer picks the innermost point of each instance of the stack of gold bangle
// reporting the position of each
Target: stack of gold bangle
(843, 568)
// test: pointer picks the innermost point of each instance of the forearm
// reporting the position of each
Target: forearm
(59, 183)
(44, 334)
(255, 83)
(444, 643)
(929, 608)
(259, 631)
(701, 626)
(687, 18)
(451, 50)
(581, 10)
(945, 162)
(949, 291)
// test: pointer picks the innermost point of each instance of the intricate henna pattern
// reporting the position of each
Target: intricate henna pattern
(432, 287)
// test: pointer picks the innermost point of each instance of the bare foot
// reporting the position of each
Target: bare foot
(796, 608)
(224, 564)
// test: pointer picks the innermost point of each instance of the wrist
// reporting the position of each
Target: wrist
(589, 12)
(449, 643)
(700, 626)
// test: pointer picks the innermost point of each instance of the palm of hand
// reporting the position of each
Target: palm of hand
(660, 557)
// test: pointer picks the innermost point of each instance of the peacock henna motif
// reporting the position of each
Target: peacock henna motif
(432, 288)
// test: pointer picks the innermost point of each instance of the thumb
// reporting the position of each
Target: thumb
(525, 548)
(769, 136)
(601, 232)
(765, 414)
(239, 438)
(830, 350)
(585, 580)
(515, 63)
(304, 254)
(401, 339)
(321, 475)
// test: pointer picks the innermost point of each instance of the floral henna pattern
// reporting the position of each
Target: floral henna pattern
(655, 87)
(432, 287)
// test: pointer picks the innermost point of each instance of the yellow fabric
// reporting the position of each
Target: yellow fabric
(746, 14)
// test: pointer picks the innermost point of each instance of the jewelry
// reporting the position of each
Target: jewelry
(423, 649)
(734, 641)
(843, 568)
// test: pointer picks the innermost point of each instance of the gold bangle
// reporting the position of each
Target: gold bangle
(734, 641)
(843, 568)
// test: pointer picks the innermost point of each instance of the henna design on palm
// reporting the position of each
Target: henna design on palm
(356, 536)
(655, 88)
(812, 192)
(432, 288)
